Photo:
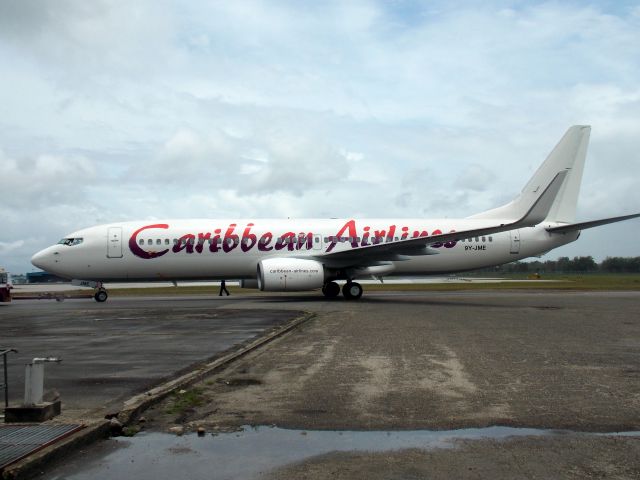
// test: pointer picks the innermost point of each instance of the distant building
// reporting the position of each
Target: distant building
(44, 277)
(18, 279)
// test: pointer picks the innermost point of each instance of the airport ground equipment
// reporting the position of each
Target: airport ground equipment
(5, 286)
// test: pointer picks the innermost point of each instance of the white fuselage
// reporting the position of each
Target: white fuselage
(232, 249)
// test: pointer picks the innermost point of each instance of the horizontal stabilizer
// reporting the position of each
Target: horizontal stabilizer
(574, 227)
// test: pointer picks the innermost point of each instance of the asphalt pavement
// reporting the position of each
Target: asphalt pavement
(392, 362)
(114, 350)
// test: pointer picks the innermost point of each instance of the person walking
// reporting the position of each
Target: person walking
(223, 288)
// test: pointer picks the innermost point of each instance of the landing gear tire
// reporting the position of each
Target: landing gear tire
(352, 291)
(101, 296)
(331, 289)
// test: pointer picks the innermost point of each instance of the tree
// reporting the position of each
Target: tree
(563, 264)
(583, 264)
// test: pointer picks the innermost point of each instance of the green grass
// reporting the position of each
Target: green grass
(191, 290)
(180, 402)
(550, 282)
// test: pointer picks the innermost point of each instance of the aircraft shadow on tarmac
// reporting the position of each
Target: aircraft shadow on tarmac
(401, 299)
(387, 298)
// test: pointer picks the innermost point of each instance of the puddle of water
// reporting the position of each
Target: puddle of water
(254, 451)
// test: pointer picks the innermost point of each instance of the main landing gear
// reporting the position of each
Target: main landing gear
(350, 290)
(101, 295)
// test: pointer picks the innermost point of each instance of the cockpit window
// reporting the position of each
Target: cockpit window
(70, 241)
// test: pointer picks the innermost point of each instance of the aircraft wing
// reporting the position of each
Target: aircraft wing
(404, 249)
(574, 227)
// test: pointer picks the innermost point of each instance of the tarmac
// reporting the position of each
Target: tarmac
(113, 350)
(390, 362)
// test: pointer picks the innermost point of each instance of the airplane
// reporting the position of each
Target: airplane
(281, 255)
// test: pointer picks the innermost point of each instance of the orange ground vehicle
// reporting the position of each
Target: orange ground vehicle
(5, 286)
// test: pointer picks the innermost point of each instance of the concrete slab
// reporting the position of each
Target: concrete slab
(417, 360)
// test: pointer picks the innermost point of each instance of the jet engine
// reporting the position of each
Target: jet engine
(289, 274)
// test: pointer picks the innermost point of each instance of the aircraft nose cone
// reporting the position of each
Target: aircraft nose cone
(43, 259)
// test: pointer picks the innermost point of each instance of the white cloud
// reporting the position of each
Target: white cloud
(8, 247)
(475, 177)
(45, 180)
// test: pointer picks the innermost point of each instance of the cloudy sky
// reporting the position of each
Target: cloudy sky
(119, 110)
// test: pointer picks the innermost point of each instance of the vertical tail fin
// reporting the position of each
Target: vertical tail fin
(569, 154)
(564, 208)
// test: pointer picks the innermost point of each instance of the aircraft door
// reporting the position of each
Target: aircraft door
(317, 242)
(114, 242)
(515, 241)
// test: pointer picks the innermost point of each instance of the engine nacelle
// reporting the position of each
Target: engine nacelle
(249, 283)
(289, 275)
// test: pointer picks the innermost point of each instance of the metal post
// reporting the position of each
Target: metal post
(34, 380)
(6, 380)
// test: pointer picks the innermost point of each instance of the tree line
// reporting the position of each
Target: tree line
(575, 265)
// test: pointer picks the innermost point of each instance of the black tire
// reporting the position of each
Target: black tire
(331, 289)
(352, 290)
(101, 296)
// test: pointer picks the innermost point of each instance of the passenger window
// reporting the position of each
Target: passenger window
(166, 241)
(141, 242)
(149, 242)
(491, 239)
(158, 242)
(484, 239)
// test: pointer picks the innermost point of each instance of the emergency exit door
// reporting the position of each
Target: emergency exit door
(114, 242)
(515, 241)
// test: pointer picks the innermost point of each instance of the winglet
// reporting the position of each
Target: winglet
(541, 207)
(537, 211)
